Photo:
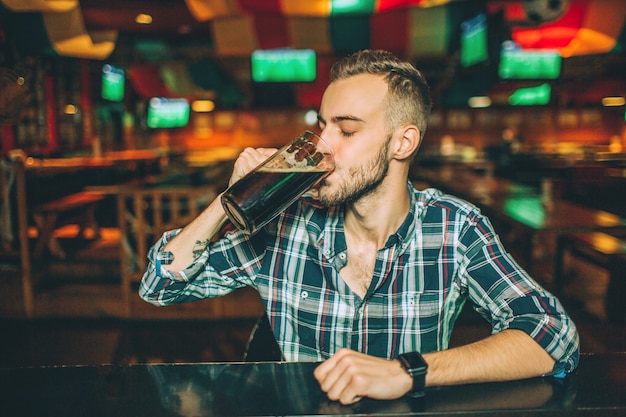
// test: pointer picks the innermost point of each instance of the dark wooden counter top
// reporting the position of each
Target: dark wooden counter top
(272, 388)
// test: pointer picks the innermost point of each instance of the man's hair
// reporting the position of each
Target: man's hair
(408, 97)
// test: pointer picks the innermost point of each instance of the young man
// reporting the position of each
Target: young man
(371, 277)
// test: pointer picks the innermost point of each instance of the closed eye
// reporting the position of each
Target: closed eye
(341, 122)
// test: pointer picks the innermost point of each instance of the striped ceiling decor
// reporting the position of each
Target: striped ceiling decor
(56, 27)
(204, 10)
(209, 9)
(412, 27)
(239, 27)
(147, 82)
(410, 31)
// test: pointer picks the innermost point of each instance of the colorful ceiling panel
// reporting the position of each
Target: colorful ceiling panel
(410, 27)
(417, 29)
(408, 31)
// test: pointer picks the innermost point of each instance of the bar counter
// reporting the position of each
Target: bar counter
(289, 389)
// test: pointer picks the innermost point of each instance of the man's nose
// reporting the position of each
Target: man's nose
(327, 136)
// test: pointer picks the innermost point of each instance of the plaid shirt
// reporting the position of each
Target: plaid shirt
(444, 253)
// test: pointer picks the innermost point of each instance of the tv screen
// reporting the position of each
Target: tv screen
(474, 41)
(516, 63)
(531, 96)
(113, 83)
(167, 113)
(283, 65)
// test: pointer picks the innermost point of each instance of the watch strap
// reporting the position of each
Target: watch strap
(416, 366)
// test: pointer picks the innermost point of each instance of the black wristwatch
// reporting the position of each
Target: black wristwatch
(416, 366)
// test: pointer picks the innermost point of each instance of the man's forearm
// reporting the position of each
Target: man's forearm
(194, 238)
(508, 355)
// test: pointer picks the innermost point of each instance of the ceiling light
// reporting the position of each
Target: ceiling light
(203, 106)
(613, 101)
(70, 109)
(479, 102)
(143, 19)
(311, 117)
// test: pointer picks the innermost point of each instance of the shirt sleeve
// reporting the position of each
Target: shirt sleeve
(226, 265)
(504, 292)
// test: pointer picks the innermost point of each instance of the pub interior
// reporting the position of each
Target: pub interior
(121, 119)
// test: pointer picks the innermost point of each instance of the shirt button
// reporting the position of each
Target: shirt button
(342, 256)
(304, 294)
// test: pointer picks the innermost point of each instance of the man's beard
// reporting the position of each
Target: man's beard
(362, 180)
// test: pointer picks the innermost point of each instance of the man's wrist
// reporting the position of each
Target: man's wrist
(415, 365)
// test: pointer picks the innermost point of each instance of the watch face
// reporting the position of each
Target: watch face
(413, 362)
(165, 257)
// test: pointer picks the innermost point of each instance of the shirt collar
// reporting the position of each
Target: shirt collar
(407, 229)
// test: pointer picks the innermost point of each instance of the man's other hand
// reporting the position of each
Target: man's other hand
(349, 376)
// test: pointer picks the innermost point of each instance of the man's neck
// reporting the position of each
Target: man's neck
(377, 216)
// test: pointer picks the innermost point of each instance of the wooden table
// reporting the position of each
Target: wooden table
(289, 389)
(22, 167)
(108, 159)
(528, 226)
(526, 221)
(470, 185)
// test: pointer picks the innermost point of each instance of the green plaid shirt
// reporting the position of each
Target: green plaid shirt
(444, 253)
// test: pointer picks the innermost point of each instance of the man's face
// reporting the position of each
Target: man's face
(352, 119)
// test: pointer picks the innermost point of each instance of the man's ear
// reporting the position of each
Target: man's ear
(408, 142)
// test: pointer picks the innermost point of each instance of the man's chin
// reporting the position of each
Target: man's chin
(326, 200)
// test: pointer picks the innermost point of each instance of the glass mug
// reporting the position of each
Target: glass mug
(267, 190)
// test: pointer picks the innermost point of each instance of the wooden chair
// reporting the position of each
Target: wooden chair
(144, 213)
(13, 190)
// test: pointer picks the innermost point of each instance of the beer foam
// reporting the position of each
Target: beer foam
(299, 168)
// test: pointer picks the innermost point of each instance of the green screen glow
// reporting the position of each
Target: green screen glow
(283, 65)
(528, 65)
(167, 113)
(531, 96)
(352, 6)
(474, 41)
(526, 210)
(113, 81)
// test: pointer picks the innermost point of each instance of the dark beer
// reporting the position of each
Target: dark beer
(261, 195)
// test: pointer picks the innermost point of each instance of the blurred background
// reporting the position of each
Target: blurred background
(121, 119)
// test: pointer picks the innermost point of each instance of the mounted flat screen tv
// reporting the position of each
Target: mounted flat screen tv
(520, 64)
(167, 113)
(474, 41)
(113, 83)
(283, 65)
(531, 96)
